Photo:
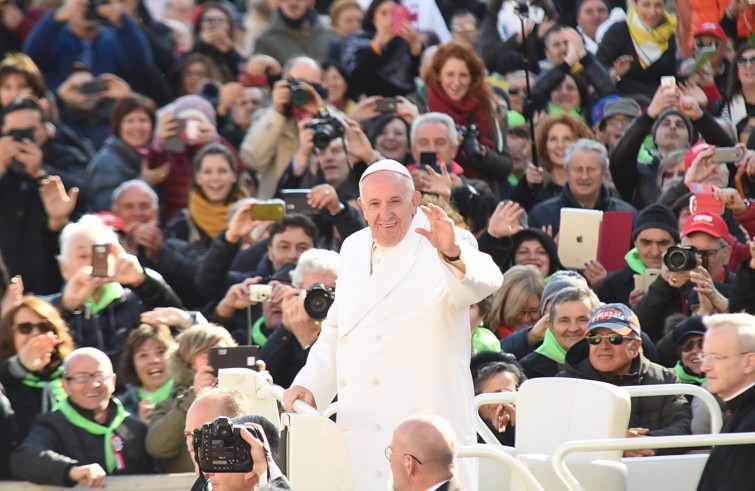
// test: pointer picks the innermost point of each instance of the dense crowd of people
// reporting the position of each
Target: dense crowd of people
(180, 175)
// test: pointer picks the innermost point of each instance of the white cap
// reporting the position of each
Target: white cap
(385, 164)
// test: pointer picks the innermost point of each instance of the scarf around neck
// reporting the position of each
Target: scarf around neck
(468, 110)
(210, 218)
(551, 349)
(686, 377)
(159, 395)
(52, 388)
(94, 428)
(650, 44)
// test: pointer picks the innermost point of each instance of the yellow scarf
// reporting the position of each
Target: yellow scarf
(649, 43)
(210, 218)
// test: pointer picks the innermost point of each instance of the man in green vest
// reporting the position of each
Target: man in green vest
(89, 436)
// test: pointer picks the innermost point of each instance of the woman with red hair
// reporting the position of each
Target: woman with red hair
(456, 86)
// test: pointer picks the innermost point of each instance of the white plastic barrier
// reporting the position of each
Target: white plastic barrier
(716, 418)
(503, 458)
(559, 457)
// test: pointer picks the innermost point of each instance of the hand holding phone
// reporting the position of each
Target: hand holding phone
(273, 210)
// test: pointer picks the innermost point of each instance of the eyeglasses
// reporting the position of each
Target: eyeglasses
(28, 327)
(613, 338)
(515, 91)
(389, 453)
(691, 344)
(616, 122)
(82, 378)
(530, 313)
(746, 61)
(711, 252)
(711, 358)
(215, 20)
(701, 44)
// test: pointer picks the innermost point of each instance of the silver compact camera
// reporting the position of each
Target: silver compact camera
(260, 293)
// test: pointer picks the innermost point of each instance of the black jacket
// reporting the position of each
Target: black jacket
(536, 365)
(8, 429)
(637, 182)
(617, 287)
(115, 163)
(549, 212)
(284, 356)
(743, 289)
(662, 415)
(729, 467)
(617, 42)
(54, 445)
(108, 329)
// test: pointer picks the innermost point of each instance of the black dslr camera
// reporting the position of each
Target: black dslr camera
(683, 258)
(470, 143)
(318, 301)
(219, 446)
(327, 128)
(299, 93)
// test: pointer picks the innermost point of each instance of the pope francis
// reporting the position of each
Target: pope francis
(396, 341)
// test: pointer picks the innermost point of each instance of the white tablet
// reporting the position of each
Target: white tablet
(579, 232)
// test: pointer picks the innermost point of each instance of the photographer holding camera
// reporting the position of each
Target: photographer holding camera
(304, 307)
(696, 269)
(273, 137)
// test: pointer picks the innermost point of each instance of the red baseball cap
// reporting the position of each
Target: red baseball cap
(113, 221)
(693, 152)
(711, 29)
(713, 225)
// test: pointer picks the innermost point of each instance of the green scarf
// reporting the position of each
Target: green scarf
(554, 109)
(97, 429)
(258, 337)
(551, 349)
(484, 340)
(52, 388)
(159, 395)
(634, 262)
(686, 377)
(110, 292)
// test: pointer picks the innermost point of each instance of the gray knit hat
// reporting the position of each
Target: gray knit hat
(557, 282)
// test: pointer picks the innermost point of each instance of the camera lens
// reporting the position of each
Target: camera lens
(299, 96)
(677, 260)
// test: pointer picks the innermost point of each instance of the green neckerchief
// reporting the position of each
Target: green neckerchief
(554, 109)
(686, 377)
(647, 151)
(551, 349)
(258, 337)
(484, 340)
(512, 179)
(159, 395)
(110, 293)
(52, 388)
(97, 429)
(634, 262)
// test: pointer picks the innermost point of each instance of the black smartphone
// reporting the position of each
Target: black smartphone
(429, 158)
(386, 105)
(102, 262)
(94, 86)
(296, 201)
(176, 143)
(233, 357)
(20, 134)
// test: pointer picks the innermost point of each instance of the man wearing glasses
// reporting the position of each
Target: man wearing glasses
(710, 36)
(729, 364)
(705, 289)
(422, 455)
(89, 436)
(610, 352)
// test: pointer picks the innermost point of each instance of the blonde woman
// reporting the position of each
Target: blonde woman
(517, 303)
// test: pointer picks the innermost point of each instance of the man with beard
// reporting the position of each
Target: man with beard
(295, 30)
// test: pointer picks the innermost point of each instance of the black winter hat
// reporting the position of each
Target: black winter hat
(687, 327)
(656, 216)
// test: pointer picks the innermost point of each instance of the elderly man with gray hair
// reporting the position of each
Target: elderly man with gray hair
(287, 348)
(586, 165)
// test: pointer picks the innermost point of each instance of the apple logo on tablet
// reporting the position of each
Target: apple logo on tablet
(579, 239)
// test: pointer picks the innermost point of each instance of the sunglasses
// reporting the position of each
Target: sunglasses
(28, 327)
(746, 61)
(613, 338)
(690, 345)
(515, 91)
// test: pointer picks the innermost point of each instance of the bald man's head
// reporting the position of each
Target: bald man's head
(431, 443)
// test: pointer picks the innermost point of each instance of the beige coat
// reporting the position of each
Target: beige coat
(397, 343)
